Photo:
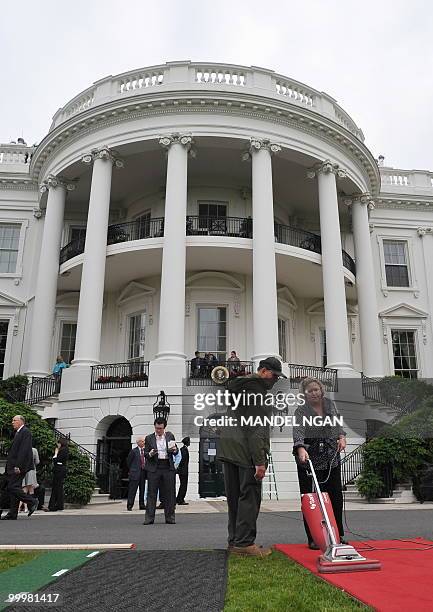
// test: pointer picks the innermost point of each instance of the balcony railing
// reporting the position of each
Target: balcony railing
(236, 227)
(120, 375)
(37, 390)
(327, 376)
(199, 372)
(120, 232)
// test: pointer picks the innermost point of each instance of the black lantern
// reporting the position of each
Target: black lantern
(161, 408)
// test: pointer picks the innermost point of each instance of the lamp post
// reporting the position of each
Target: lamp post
(161, 408)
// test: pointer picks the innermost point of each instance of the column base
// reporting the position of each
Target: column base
(257, 358)
(164, 373)
(75, 379)
(37, 374)
(170, 355)
(84, 362)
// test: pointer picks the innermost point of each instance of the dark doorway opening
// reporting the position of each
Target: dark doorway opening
(112, 452)
(211, 477)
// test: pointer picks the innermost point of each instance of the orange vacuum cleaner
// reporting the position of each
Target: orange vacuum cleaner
(319, 515)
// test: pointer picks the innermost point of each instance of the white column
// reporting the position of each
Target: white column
(371, 348)
(426, 235)
(265, 312)
(172, 307)
(87, 346)
(337, 333)
(44, 311)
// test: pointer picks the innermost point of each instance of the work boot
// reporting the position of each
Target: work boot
(251, 551)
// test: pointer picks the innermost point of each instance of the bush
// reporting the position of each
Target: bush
(13, 389)
(80, 482)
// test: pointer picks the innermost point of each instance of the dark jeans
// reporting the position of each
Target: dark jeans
(57, 492)
(332, 487)
(183, 478)
(163, 479)
(16, 493)
(244, 496)
(133, 485)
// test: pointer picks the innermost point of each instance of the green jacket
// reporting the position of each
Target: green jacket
(246, 445)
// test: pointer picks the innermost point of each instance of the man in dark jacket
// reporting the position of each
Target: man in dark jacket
(182, 470)
(136, 463)
(19, 462)
(243, 450)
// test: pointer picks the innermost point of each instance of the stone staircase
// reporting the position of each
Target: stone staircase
(402, 494)
(97, 499)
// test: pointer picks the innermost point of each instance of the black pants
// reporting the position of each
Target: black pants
(332, 487)
(183, 478)
(244, 496)
(16, 493)
(163, 479)
(57, 493)
(140, 484)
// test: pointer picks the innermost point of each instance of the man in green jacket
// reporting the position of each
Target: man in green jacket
(243, 450)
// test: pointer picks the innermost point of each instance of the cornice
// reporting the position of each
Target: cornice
(304, 119)
(403, 204)
(27, 184)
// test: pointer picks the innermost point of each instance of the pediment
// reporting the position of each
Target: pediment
(404, 310)
(8, 300)
(286, 296)
(318, 309)
(133, 290)
(214, 280)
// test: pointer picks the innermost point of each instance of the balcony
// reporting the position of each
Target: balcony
(120, 375)
(235, 227)
(199, 373)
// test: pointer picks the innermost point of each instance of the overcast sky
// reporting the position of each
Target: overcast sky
(374, 57)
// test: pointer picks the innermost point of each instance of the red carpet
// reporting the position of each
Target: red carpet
(404, 582)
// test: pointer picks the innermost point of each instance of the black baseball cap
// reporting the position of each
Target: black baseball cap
(273, 365)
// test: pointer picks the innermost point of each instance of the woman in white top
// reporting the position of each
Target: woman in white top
(30, 481)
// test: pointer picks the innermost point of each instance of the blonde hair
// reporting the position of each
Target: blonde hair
(308, 381)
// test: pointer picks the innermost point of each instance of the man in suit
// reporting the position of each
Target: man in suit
(18, 463)
(159, 449)
(182, 470)
(136, 462)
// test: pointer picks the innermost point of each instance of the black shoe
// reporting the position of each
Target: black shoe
(183, 503)
(160, 507)
(142, 507)
(148, 522)
(313, 546)
(170, 522)
(129, 508)
(9, 517)
(32, 508)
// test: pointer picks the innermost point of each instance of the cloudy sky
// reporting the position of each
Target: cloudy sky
(374, 57)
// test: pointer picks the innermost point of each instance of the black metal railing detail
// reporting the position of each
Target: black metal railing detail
(327, 376)
(352, 465)
(120, 375)
(375, 390)
(306, 240)
(119, 232)
(199, 373)
(37, 390)
(236, 227)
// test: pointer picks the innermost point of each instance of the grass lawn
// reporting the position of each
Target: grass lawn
(277, 584)
(11, 558)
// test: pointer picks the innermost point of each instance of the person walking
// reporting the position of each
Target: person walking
(243, 450)
(30, 481)
(60, 459)
(182, 471)
(159, 449)
(19, 462)
(136, 463)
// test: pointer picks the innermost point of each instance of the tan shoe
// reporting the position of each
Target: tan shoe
(251, 551)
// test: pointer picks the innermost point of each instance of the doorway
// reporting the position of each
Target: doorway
(211, 477)
(112, 452)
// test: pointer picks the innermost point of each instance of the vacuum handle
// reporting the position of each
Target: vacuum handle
(322, 504)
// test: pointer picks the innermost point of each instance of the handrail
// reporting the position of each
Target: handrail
(372, 390)
(119, 375)
(37, 390)
(202, 225)
(327, 376)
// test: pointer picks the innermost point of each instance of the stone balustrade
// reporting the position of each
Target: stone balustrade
(406, 182)
(15, 154)
(198, 77)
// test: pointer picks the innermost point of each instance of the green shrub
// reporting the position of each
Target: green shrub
(80, 482)
(13, 389)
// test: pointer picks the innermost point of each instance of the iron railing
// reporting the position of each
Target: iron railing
(388, 394)
(199, 373)
(352, 465)
(120, 375)
(306, 240)
(327, 376)
(237, 227)
(119, 232)
(37, 390)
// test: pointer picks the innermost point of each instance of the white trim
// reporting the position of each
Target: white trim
(413, 282)
(404, 326)
(23, 226)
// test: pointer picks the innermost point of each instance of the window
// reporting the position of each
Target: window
(9, 242)
(282, 339)
(323, 353)
(212, 331)
(67, 341)
(396, 266)
(4, 325)
(404, 353)
(136, 336)
(77, 233)
(212, 217)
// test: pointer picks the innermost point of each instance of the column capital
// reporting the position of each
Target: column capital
(256, 144)
(326, 167)
(103, 153)
(422, 231)
(363, 199)
(51, 182)
(175, 138)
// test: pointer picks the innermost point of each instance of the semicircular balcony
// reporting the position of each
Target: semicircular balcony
(223, 227)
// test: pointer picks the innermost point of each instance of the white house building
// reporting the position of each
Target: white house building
(207, 207)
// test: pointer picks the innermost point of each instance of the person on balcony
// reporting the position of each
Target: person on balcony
(195, 365)
(212, 363)
(59, 365)
(322, 445)
(136, 463)
(233, 364)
